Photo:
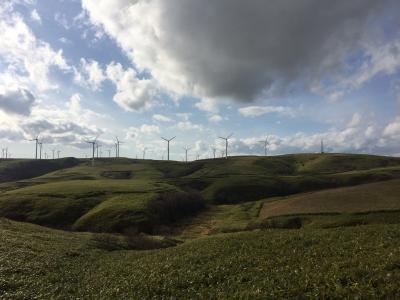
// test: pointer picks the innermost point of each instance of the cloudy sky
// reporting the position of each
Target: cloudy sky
(297, 71)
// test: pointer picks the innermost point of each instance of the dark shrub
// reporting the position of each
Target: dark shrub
(171, 206)
(283, 223)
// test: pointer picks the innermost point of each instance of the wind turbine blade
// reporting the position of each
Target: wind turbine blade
(229, 135)
(172, 138)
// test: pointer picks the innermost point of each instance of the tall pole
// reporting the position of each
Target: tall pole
(36, 148)
(186, 152)
(226, 143)
(168, 140)
(40, 148)
(58, 153)
(53, 152)
(226, 148)
(322, 146)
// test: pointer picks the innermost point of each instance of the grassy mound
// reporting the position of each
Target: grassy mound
(357, 262)
(140, 212)
(361, 198)
(17, 169)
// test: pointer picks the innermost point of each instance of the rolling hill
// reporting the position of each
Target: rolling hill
(116, 194)
(315, 225)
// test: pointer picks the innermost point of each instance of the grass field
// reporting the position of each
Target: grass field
(291, 226)
(351, 262)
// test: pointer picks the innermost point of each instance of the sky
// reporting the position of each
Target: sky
(295, 72)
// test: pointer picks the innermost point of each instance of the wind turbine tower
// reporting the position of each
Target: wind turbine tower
(37, 143)
(322, 146)
(93, 143)
(118, 142)
(226, 139)
(186, 152)
(266, 144)
(168, 140)
(40, 149)
(97, 149)
(144, 152)
(53, 150)
(58, 153)
(214, 151)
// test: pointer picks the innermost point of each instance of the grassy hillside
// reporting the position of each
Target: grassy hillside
(351, 262)
(17, 169)
(362, 198)
(115, 194)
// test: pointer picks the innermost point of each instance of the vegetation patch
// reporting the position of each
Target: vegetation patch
(113, 242)
(17, 169)
(117, 174)
(172, 206)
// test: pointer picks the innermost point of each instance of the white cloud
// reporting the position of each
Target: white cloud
(393, 128)
(187, 125)
(18, 101)
(355, 120)
(161, 118)
(27, 60)
(64, 40)
(215, 118)
(90, 74)
(208, 105)
(36, 17)
(255, 111)
(149, 129)
(132, 94)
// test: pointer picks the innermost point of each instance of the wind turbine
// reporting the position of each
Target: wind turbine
(168, 140)
(40, 149)
(322, 146)
(58, 153)
(93, 143)
(97, 149)
(226, 143)
(5, 153)
(37, 143)
(214, 151)
(186, 151)
(53, 150)
(118, 142)
(144, 152)
(266, 144)
(109, 153)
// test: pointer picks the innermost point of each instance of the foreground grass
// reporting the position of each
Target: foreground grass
(356, 262)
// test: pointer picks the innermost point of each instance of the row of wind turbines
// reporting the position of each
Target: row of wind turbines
(96, 145)
(39, 146)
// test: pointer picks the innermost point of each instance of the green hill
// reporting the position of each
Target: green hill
(291, 226)
(362, 198)
(353, 262)
(115, 195)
